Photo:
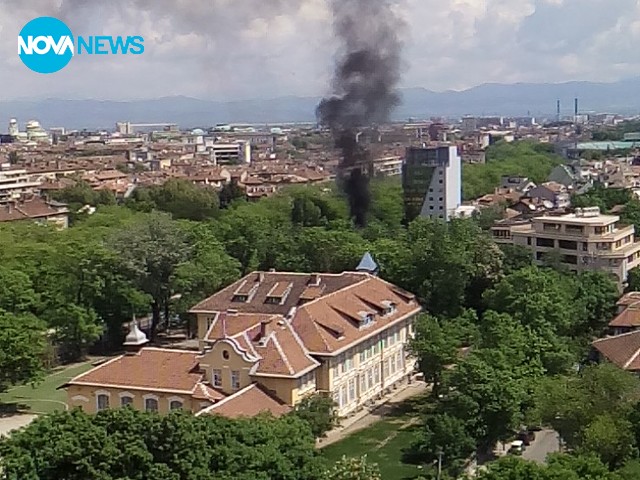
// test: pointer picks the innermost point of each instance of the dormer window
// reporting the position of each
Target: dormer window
(240, 298)
(366, 319)
(389, 307)
(278, 293)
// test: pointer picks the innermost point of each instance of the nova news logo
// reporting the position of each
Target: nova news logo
(46, 45)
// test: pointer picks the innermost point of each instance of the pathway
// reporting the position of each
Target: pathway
(367, 417)
(7, 424)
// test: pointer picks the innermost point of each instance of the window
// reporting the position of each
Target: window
(370, 379)
(151, 404)
(217, 378)
(126, 400)
(348, 365)
(225, 354)
(363, 385)
(352, 390)
(240, 298)
(385, 368)
(103, 401)
(568, 245)
(175, 405)
(585, 247)
(545, 242)
(343, 396)
(235, 380)
(376, 375)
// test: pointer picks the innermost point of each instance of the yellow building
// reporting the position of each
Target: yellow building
(585, 240)
(267, 341)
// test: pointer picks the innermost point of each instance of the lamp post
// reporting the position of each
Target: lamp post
(440, 454)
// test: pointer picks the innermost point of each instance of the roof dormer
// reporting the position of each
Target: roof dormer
(366, 319)
(278, 293)
(389, 307)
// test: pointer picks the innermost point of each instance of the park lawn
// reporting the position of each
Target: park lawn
(383, 443)
(44, 396)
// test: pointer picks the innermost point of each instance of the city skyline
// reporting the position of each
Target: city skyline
(255, 50)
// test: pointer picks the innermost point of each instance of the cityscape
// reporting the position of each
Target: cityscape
(372, 289)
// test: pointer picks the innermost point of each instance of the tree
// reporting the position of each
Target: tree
(230, 192)
(151, 253)
(354, 469)
(76, 329)
(596, 297)
(22, 349)
(124, 443)
(515, 258)
(181, 198)
(16, 291)
(434, 348)
(319, 412)
(446, 434)
(560, 467)
(610, 438)
(570, 403)
(487, 396)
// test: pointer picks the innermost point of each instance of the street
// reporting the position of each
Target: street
(546, 442)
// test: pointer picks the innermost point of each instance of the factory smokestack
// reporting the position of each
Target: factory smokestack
(364, 88)
(576, 107)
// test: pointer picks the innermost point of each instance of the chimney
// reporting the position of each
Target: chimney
(266, 328)
(261, 277)
(314, 280)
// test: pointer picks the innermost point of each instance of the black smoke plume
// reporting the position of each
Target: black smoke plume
(364, 88)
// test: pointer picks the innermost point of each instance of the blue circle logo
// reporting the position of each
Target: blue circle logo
(45, 45)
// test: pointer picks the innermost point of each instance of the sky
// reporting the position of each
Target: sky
(243, 49)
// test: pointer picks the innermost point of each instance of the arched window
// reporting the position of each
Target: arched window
(175, 405)
(151, 404)
(103, 401)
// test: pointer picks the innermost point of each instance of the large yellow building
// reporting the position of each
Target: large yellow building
(267, 341)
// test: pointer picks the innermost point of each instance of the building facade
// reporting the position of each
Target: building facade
(432, 182)
(271, 338)
(584, 240)
(14, 184)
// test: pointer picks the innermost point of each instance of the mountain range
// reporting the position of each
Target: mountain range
(537, 99)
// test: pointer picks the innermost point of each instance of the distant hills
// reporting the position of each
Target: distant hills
(537, 99)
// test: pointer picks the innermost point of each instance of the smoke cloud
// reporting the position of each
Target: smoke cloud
(364, 87)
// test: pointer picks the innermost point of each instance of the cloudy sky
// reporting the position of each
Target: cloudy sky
(238, 49)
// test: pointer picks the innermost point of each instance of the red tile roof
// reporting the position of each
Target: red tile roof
(150, 369)
(621, 350)
(630, 317)
(248, 402)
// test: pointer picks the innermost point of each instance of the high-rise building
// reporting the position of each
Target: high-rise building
(432, 182)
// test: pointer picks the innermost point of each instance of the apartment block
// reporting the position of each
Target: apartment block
(585, 240)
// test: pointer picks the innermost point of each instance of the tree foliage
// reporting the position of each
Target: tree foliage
(123, 443)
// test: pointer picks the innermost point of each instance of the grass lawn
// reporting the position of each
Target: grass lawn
(43, 397)
(383, 443)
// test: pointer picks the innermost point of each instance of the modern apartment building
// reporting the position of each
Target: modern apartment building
(267, 341)
(432, 182)
(16, 183)
(585, 240)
